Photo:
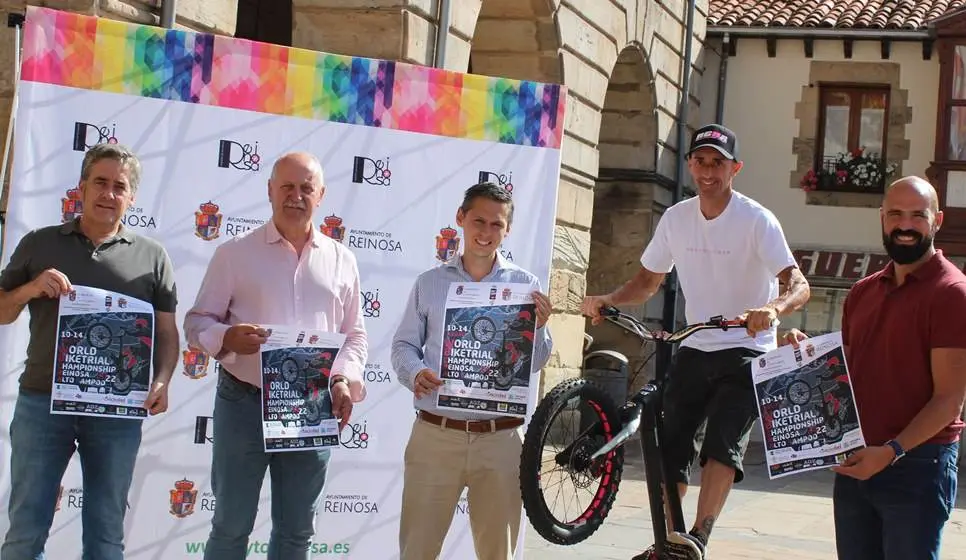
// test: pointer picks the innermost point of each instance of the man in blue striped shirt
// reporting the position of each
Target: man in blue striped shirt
(450, 450)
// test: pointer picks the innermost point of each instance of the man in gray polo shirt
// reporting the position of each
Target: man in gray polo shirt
(93, 250)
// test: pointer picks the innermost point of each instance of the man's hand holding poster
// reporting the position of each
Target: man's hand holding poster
(807, 408)
(296, 404)
(104, 354)
(488, 348)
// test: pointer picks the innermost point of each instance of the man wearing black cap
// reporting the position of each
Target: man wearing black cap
(731, 258)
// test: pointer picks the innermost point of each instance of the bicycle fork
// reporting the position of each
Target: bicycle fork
(631, 423)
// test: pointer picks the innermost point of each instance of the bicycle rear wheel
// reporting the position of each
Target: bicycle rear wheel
(567, 453)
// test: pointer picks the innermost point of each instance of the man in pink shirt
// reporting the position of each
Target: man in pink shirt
(284, 272)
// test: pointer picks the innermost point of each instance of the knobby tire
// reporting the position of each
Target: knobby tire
(568, 532)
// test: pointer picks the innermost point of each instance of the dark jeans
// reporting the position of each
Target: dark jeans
(238, 466)
(899, 513)
(42, 445)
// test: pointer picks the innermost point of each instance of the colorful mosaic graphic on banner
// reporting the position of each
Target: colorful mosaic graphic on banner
(78, 51)
(209, 115)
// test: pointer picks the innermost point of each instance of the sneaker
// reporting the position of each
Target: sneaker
(682, 546)
(649, 554)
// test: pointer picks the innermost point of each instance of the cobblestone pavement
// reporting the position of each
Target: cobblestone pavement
(787, 519)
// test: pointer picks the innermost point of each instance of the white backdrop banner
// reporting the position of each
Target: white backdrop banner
(208, 115)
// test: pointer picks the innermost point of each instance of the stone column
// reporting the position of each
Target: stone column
(586, 34)
(402, 30)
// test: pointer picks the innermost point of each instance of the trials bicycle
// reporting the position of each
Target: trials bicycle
(508, 358)
(310, 370)
(129, 364)
(832, 390)
(591, 457)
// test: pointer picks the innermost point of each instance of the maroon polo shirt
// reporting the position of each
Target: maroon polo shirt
(889, 331)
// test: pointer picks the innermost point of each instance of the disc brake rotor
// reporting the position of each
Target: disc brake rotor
(584, 470)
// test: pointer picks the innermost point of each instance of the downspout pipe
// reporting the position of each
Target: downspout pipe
(442, 33)
(671, 284)
(722, 79)
(684, 109)
(168, 10)
(13, 20)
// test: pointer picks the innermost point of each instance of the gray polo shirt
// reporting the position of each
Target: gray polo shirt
(127, 263)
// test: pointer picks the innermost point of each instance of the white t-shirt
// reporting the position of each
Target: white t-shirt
(726, 266)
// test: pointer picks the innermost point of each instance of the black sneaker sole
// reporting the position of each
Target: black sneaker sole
(682, 548)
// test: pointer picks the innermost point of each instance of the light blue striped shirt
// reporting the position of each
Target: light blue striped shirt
(417, 343)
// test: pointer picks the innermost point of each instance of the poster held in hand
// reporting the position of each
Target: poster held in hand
(296, 403)
(104, 354)
(808, 414)
(487, 347)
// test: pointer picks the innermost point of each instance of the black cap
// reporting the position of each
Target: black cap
(718, 137)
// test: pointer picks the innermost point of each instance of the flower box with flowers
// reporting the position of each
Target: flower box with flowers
(856, 171)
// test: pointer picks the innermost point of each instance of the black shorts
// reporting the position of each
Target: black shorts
(708, 386)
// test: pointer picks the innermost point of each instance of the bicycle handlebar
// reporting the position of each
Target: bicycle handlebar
(631, 324)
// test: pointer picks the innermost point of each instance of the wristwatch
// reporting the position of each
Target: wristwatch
(899, 451)
(339, 379)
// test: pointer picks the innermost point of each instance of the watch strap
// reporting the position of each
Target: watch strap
(339, 379)
(899, 451)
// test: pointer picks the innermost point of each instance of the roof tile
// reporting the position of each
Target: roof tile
(855, 14)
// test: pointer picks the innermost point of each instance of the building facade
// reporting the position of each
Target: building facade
(827, 102)
(620, 59)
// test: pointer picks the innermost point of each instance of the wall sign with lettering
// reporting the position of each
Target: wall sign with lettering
(844, 267)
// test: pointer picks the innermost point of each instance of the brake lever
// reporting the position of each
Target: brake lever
(609, 311)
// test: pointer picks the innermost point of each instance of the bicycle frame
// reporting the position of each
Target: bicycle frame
(643, 412)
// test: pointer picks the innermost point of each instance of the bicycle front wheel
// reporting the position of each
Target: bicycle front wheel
(574, 420)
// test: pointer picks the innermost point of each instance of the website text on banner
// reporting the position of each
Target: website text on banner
(399, 144)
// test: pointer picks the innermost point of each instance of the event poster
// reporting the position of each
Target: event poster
(104, 354)
(808, 414)
(487, 348)
(296, 403)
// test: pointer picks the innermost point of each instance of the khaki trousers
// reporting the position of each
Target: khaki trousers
(439, 463)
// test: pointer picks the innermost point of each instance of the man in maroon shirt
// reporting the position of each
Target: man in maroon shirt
(904, 331)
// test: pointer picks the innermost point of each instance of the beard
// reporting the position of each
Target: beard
(906, 254)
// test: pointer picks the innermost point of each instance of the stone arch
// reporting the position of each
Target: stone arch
(628, 128)
(517, 39)
(628, 197)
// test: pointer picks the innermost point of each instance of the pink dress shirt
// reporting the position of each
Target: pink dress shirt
(258, 278)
